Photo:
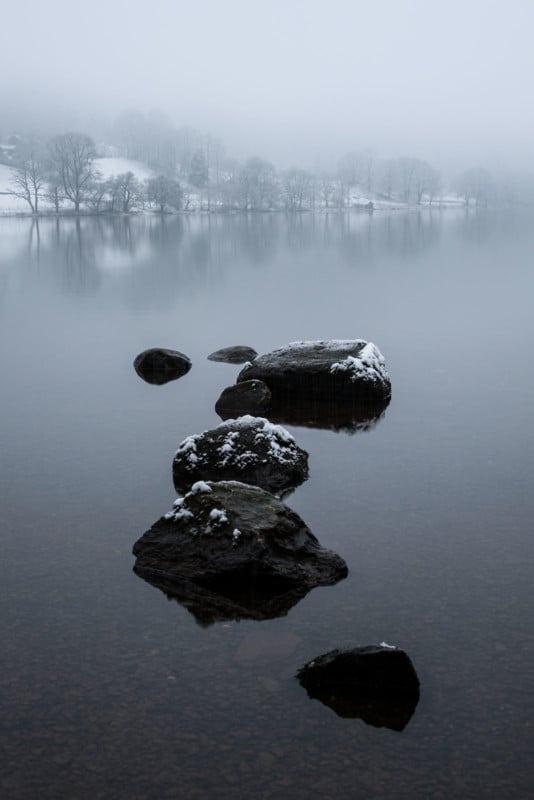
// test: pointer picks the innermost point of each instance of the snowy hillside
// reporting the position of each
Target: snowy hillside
(109, 167)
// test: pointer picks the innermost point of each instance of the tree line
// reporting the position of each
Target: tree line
(63, 170)
(193, 172)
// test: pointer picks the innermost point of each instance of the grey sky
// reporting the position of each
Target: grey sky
(297, 80)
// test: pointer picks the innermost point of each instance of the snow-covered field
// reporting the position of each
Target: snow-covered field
(109, 167)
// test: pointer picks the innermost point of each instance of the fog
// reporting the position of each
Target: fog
(297, 82)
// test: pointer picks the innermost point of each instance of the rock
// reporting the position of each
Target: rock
(248, 449)
(233, 355)
(228, 550)
(376, 683)
(159, 366)
(248, 397)
(325, 370)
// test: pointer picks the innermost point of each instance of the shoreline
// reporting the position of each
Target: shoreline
(7, 214)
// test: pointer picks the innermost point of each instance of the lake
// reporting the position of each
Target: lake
(111, 690)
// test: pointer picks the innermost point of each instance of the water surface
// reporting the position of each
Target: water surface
(110, 690)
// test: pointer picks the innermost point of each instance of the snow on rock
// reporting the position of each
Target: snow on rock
(238, 553)
(200, 487)
(218, 516)
(368, 365)
(326, 369)
(249, 449)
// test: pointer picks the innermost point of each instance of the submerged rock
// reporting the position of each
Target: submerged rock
(248, 397)
(228, 550)
(233, 355)
(248, 449)
(376, 683)
(160, 366)
(327, 370)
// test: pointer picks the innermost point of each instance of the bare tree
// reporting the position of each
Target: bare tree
(406, 169)
(54, 193)
(327, 187)
(426, 180)
(96, 194)
(163, 193)
(125, 192)
(72, 156)
(297, 184)
(29, 177)
(368, 165)
(350, 173)
(474, 184)
(257, 185)
(388, 177)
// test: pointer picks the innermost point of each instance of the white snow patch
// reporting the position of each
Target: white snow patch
(326, 344)
(281, 444)
(388, 646)
(368, 365)
(189, 448)
(110, 167)
(200, 487)
(179, 512)
(236, 535)
(218, 516)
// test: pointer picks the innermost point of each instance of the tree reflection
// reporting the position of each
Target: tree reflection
(168, 253)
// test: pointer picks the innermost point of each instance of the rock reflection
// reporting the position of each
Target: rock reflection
(229, 602)
(342, 416)
(377, 708)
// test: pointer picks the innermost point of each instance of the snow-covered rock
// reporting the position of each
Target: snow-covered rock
(234, 552)
(326, 369)
(248, 449)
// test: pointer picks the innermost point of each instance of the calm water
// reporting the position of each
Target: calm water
(108, 689)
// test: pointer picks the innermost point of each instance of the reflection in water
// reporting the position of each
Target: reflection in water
(339, 415)
(135, 702)
(230, 601)
(380, 709)
(166, 252)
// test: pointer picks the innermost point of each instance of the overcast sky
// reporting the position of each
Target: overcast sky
(294, 80)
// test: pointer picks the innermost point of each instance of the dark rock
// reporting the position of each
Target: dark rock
(325, 370)
(248, 449)
(233, 355)
(377, 684)
(248, 397)
(159, 366)
(233, 551)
